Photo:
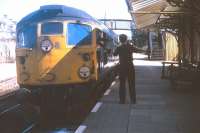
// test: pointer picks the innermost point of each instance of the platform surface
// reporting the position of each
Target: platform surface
(7, 70)
(159, 108)
(8, 81)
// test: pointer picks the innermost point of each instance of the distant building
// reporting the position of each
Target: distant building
(7, 39)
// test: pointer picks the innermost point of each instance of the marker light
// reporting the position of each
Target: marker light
(84, 72)
(46, 45)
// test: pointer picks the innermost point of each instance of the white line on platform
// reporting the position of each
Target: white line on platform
(11, 108)
(113, 83)
(81, 129)
(107, 92)
(96, 107)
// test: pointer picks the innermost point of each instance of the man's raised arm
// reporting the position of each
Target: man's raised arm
(137, 50)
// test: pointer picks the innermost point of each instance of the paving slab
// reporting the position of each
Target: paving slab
(111, 118)
(159, 108)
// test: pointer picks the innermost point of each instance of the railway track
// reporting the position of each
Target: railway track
(14, 113)
(15, 118)
(9, 109)
(18, 117)
(30, 128)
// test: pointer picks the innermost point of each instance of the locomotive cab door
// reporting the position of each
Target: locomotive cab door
(99, 52)
(102, 51)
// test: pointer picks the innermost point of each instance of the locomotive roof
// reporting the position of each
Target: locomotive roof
(59, 12)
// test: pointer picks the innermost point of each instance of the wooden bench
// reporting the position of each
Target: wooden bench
(165, 70)
(181, 75)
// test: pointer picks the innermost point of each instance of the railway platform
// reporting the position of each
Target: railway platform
(8, 83)
(159, 107)
(7, 70)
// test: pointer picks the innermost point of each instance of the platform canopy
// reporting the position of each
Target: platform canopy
(146, 12)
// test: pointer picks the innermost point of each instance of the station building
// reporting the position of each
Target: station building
(176, 20)
(7, 39)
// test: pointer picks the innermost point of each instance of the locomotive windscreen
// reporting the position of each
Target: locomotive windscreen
(79, 34)
(26, 37)
(52, 28)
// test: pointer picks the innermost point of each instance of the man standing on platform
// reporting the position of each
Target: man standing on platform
(126, 68)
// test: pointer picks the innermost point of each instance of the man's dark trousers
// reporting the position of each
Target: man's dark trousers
(127, 73)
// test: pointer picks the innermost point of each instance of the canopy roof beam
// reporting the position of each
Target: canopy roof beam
(157, 12)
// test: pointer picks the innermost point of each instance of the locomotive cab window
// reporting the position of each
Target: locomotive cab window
(26, 38)
(79, 34)
(52, 28)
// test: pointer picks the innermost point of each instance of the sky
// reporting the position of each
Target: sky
(100, 9)
(17, 9)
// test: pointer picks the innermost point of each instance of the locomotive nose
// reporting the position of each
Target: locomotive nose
(22, 60)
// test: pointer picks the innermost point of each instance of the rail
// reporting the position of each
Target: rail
(29, 128)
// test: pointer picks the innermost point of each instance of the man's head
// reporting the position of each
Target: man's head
(123, 38)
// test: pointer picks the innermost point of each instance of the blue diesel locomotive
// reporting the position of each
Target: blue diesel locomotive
(61, 51)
